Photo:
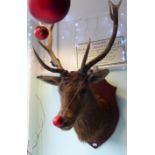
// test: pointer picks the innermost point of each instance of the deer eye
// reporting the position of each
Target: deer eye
(83, 91)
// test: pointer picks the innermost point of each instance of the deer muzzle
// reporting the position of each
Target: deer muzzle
(62, 123)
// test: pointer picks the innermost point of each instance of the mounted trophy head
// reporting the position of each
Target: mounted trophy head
(91, 116)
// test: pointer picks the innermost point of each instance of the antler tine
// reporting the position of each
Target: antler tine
(54, 70)
(114, 16)
(85, 57)
(50, 38)
(48, 48)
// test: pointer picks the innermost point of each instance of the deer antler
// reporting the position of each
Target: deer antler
(85, 57)
(114, 16)
(54, 70)
(54, 60)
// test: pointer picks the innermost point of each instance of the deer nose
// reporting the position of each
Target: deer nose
(58, 121)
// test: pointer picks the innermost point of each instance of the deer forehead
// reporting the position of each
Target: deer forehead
(72, 77)
(71, 84)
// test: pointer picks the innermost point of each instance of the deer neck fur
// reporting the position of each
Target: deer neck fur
(94, 118)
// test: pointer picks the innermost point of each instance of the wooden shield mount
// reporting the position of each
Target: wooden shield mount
(108, 92)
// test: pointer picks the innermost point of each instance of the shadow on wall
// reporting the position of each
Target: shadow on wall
(120, 132)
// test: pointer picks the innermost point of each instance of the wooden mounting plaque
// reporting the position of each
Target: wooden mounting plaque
(108, 92)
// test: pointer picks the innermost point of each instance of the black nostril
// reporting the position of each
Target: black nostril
(65, 123)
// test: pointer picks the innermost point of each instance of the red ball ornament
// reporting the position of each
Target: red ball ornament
(49, 11)
(58, 121)
(41, 32)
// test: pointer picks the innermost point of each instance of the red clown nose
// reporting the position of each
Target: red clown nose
(58, 121)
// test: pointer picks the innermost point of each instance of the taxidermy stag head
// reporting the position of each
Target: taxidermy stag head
(92, 118)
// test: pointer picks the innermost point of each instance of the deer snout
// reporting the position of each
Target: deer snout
(62, 122)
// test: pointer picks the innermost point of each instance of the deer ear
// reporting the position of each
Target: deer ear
(98, 76)
(54, 80)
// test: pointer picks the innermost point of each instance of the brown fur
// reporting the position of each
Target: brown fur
(92, 116)
(94, 120)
